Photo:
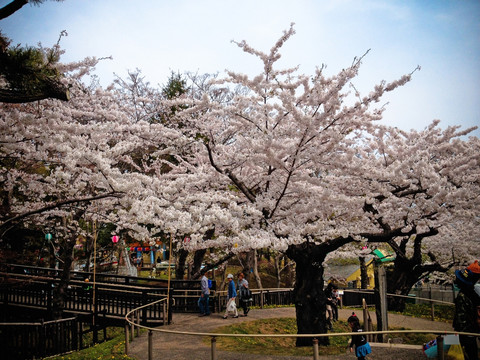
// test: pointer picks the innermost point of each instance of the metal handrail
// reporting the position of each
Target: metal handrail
(315, 337)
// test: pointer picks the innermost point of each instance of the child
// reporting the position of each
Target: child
(362, 347)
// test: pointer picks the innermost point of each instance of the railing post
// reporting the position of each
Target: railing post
(150, 344)
(49, 293)
(126, 337)
(440, 352)
(432, 306)
(138, 322)
(261, 298)
(214, 348)
(315, 349)
(144, 310)
(132, 327)
(164, 311)
(80, 335)
(365, 319)
(43, 339)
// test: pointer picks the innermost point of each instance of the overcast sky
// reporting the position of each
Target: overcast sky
(161, 36)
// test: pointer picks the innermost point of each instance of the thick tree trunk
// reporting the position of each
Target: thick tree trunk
(198, 257)
(255, 270)
(399, 281)
(60, 291)
(248, 263)
(277, 266)
(180, 265)
(363, 273)
(310, 300)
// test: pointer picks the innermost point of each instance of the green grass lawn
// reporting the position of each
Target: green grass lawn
(443, 313)
(286, 346)
(112, 349)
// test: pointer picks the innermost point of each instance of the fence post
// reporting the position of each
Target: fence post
(138, 322)
(43, 339)
(164, 312)
(80, 334)
(74, 329)
(432, 305)
(213, 348)
(144, 310)
(365, 318)
(150, 344)
(381, 300)
(49, 293)
(440, 352)
(126, 337)
(261, 298)
(315, 349)
(132, 327)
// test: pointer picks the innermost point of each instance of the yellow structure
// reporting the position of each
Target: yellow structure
(379, 256)
(355, 277)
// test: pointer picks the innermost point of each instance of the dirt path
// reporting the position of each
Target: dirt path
(179, 347)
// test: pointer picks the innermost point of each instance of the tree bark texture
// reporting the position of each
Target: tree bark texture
(60, 291)
(309, 297)
(180, 265)
(363, 273)
(256, 274)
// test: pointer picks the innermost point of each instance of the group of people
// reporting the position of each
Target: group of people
(359, 342)
(241, 290)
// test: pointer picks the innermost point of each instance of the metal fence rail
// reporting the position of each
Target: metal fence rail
(131, 325)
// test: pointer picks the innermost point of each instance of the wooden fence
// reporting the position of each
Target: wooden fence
(111, 300)
(36, 340)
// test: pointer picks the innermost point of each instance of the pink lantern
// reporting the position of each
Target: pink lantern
(115, 238)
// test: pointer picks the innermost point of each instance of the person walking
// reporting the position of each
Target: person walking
(232, 294)
(362, 347)
(330, 304)
(203, 301)
(243, 293)
(467, 307)
(336, 301)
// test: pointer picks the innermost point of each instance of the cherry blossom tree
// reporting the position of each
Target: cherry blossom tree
(425, 183)
(69, 163)
(264, 169)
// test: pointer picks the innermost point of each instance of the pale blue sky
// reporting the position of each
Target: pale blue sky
(161, 36)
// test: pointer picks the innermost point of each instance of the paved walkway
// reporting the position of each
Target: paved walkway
(180, 347)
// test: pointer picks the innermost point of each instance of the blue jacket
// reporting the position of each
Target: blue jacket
(231, 290)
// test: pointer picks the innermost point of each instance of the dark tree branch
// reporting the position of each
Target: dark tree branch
(11, 8)
(54, 90)
(239, 184)
(209, 267)
(57, 205)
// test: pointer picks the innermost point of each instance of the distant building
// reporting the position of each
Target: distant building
(350, 276)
